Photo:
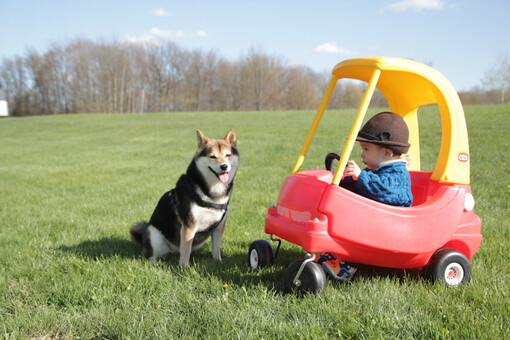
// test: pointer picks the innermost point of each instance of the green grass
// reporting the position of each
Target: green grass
(72, 185)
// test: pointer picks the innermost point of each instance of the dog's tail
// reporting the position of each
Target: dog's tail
(137, 232)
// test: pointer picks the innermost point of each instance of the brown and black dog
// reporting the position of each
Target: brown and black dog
(198, 205)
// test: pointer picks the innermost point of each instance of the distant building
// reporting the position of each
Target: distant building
(4, 109)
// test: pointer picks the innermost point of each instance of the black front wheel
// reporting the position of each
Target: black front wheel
(260, 254)
(311, 280)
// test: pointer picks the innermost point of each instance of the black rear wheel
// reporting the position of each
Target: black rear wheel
(449, 266)
(311, 280)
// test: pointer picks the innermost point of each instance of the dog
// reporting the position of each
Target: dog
(197, 207)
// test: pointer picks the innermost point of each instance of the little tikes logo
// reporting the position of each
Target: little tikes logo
(463, 157)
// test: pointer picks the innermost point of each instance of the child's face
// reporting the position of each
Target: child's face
(373, 155)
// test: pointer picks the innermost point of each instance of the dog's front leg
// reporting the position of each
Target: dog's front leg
(216, 236)
(187, 235)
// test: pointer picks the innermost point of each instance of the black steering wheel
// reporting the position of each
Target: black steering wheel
(330, 157)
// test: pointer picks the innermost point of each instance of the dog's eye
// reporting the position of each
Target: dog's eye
(212, 157)
(228, 155)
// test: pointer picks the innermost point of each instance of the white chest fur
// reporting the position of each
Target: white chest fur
(218, 189)
(205, 217)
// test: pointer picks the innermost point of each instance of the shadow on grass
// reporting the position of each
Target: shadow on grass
(233, 269)
(104, 248)
(402, 275)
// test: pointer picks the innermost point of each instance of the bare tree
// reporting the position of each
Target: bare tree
(299, 90)
(176, 62)
(104, 77)
(261, 76)
(82, 87)
(226, 87)
(200, 79)
(498, 76)
(49, 74)
(15, 80)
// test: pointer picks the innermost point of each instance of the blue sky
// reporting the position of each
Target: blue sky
(460, 38)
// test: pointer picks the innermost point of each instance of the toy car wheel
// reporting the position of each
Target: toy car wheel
(311, 280)
(450, 266)
(260, 254)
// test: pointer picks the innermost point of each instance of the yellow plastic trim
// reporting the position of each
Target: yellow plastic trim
(315, 124)
(408, 85)
(356, 126)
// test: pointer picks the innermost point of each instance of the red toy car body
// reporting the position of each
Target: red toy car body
(321, 217)
(439, 233)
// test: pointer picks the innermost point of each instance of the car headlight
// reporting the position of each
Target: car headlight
(469, 202)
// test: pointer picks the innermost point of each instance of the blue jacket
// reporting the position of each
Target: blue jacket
(390, 184)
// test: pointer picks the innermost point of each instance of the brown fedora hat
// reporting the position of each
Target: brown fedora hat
(386, 129)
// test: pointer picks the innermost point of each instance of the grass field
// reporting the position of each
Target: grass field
(72, 185)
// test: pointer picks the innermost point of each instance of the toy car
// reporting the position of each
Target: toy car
(439, 233)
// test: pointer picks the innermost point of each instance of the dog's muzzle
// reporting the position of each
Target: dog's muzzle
(223, 175)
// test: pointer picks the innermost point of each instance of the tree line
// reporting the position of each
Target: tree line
(83, 76)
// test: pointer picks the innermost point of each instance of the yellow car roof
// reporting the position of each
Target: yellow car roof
(407, 85)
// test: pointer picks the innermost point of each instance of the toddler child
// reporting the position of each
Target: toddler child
(383, 139)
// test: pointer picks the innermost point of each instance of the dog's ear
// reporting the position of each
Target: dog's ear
(231, 137)
(201, 139)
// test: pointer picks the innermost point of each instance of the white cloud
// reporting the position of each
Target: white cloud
(416, 5)
(167, 33)
(155, 36)
(332, 48)
(160, 12)
(142, 40)
(177, 34)
(202, 34)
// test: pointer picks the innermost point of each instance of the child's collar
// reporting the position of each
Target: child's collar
(406, 160)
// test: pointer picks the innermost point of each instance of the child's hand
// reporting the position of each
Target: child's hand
(352, 169)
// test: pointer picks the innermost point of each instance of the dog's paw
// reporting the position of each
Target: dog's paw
(184, 263)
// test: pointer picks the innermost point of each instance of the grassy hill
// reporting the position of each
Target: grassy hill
(72, 185)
